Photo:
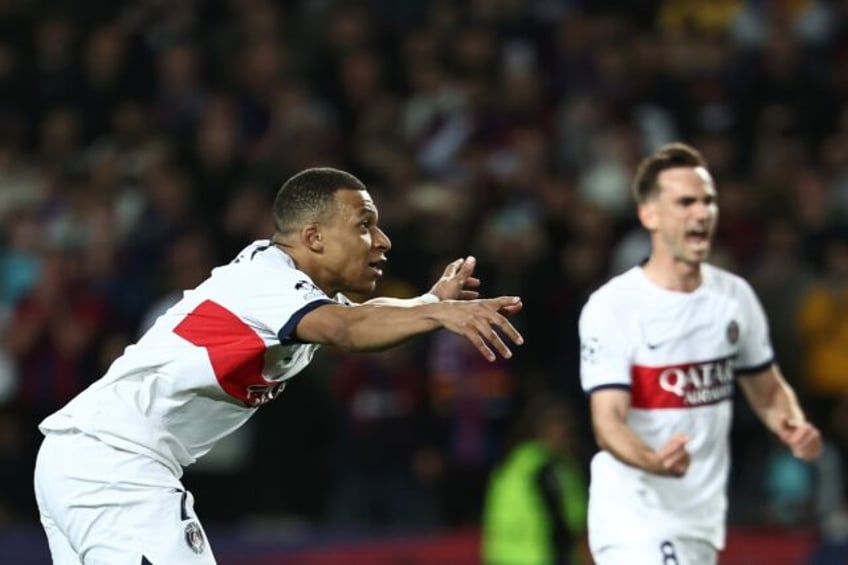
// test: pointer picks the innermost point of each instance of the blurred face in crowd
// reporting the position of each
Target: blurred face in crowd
(354, 248)
(682, 215)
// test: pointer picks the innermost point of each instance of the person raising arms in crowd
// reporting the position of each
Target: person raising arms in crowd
(107, 476)
(662, 347)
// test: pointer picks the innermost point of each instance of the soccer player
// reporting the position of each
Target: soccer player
(107, 477)
(662, 347)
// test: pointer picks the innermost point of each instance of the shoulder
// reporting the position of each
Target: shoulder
(263, 268)
(726, 282)
(261, 255)
(617, 295)
(619, 288)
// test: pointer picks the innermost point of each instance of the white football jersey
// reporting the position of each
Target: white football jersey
(678, 354)
(206, 364)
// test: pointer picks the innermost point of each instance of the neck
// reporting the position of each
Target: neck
(305, 263)
(673, 274)
(285, 248)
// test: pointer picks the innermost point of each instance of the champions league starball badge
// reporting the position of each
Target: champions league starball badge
(194, 537)
(308, 290)
(589, 350)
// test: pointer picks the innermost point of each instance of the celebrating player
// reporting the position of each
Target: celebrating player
(662, 346)
(107, 478)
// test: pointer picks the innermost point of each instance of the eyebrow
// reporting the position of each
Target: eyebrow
(366, 212)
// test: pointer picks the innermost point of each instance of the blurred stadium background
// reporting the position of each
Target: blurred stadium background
(142, 140)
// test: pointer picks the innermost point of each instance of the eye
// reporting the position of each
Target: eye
(365, 224)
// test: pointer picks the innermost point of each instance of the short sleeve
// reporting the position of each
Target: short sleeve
(604, 354)
(755, 349)
(280, 306)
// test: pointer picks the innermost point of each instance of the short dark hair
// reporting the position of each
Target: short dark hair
(309, 196)
(669, 156)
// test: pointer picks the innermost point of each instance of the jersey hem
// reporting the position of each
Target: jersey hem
(616, 386)
(285, 333)
(748, 371)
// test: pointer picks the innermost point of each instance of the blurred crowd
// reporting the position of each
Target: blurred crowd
(141, 143)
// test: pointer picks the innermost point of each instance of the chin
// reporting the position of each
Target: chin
(697, 256)
(366, 289)
(693, 261)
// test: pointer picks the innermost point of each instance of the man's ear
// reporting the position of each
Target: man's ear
(310, 235)
(647, 212)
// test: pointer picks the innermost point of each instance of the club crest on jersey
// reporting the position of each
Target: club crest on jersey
(732, 332)
(308, 290)
(194, 537)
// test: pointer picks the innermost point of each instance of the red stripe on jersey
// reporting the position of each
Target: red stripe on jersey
(681, 386)
(234, 349)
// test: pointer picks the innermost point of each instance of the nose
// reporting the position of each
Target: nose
(382, 241)
(704, 210)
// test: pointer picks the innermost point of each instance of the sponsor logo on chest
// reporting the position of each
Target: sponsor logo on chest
(682, 385)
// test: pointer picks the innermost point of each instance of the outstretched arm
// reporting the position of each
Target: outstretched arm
(613, 434)
(775, 403)
(375, 326)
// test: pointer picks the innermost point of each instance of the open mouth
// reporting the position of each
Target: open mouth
(377, 267)
(698, 236)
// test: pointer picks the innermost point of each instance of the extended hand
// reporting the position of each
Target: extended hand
(480, 320)
(802, 438)
(456, 282)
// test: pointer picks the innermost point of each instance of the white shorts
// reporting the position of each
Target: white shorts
(102, 505)
(675, 551)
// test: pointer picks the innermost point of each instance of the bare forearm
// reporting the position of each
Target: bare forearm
(609, 418)
(774, 403)
(622, 442)
(785, 407)
(403, 302)
(373, 326)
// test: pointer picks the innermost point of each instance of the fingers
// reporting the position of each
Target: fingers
(487, 329)
(457, 281)
(511, 309)
(452, 268)
(506, 328)
(502, 302)
(472, 282)
(803, 439)
(808, 451)
(462, 267)
(465, 267)
(679, 465)
(509, 330)
(485, 338)
(677, 441)
(462, 273)
(468, 295)
(673, 456)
